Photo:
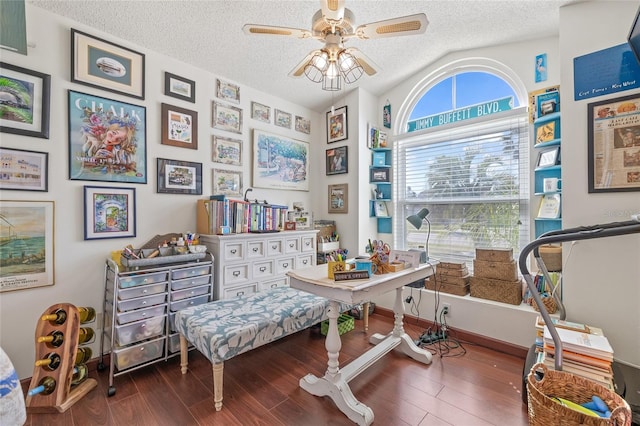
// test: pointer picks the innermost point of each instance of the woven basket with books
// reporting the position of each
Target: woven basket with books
(549, 304)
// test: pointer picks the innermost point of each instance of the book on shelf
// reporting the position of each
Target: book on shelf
(582, 343)
(377, 138)
(238, 216)
(558, 323)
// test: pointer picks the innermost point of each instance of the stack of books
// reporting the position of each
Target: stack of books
(586, 352)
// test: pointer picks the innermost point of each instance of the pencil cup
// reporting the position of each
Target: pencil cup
(335, 266)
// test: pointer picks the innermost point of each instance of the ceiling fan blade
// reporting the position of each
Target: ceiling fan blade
(365, 62)
(298, 70)
(255, 29)
(332, 10)
(405, 25)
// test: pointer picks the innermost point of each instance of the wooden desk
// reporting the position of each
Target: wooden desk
(335, 381)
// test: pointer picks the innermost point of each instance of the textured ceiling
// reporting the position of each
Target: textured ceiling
(208, 34)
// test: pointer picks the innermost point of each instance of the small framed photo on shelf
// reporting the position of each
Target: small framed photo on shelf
(379, 174)
(549, 157)
(549, 207)
(547, 103)
(179, 87)
(380, 209)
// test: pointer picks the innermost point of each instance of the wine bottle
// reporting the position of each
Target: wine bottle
(83, 355)
(55, 338)
(46, 386)
(58, 317)
(85, 334)
(52, 361)
(80, 372)
(87, 314)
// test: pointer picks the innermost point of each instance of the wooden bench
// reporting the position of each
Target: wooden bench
(225, 328)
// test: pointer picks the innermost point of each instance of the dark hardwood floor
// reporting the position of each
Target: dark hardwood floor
(479, 387)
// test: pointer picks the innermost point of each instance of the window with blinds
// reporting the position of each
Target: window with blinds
(473, 178)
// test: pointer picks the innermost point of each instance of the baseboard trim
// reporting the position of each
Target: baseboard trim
(464, 336)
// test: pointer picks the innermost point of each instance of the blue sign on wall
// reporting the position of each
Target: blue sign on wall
(461, 114)
(606, 71)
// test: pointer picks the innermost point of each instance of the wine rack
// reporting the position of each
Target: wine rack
(63, 396)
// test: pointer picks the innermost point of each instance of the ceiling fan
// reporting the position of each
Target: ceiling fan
(333, 24)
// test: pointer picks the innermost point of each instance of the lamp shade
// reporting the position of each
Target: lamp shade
(416, 219)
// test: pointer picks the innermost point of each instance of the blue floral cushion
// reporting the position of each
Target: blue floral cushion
(226, 328)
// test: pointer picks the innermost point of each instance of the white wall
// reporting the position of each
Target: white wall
(79, 264)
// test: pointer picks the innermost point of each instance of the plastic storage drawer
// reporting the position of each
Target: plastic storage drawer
(192, 282)
(140, 291)
(141, 302)
(190, 272)
(190, 292)
(139, 354)
(140, 314)
(182, 304)
(142, 279)
(141, 330)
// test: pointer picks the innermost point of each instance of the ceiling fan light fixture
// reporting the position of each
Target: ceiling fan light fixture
(317, 67)
(332, 84)
(349, 67)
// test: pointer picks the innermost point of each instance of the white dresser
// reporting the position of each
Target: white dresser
(248, 263)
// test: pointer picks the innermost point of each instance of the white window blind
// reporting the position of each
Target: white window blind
(474, 179)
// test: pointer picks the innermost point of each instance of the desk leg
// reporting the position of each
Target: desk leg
(406, 346)
(365, 315)
(333, 384)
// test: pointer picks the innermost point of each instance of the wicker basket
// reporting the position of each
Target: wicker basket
(549, 304)
(498, 290)
(544, 411)
(551, 256)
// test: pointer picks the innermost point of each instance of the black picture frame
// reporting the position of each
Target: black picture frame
(548, 157)
(37, 89)
(337, 125)
(337, 161)
(379, 174)
(179, 87)
(179, 177)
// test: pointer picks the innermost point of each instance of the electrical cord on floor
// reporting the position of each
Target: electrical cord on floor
(447, 346)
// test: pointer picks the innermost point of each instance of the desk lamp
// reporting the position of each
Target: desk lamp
(417, 220)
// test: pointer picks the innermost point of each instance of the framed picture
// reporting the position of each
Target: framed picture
(227, 151)
(226, 117)
(303, 125)
(179, 87)
(24, 170)
(282, 119)
(227, 182)
(337, 160)
(380, 209)
(27, 249)
(337, 125)
(227, 91)
(109, 212)
(179, 127)
(280, 162)
(260, 112)
(614, 144)
(549, 206)
(549, 157)
(338, 198)
(179, 177)
(380, 174)
(107, 140)
(99, 63)
(27, 97)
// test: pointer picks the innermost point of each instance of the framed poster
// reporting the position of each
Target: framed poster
(614, 144)
(227, 151)
(303, 125)
(227, 91)
(99, 63)
(27, 97)
(24, 170)
(227, 182)
(179, 177)
(260, 112)
(339, 198)
(109, 212)
(337, 160)
(107, 140)
(282, 119)
(337, 125)
(27, 249)
(227, 118)
(280, 162)
(179, 87)
(179, 127)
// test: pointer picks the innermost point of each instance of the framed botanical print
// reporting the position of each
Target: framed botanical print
(179, 177)
(226, 117)
(282, 119)
(260, 112)
(105, 65)
(27, 96)
(107, 140)
(24, 170)
(179, 87)
(227, 91)
(227, 182)
(109, 212)
(179, 127)
(337, 125)
(227, 151)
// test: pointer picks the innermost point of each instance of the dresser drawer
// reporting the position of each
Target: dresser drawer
(139, 354)
(189, 292)
(174, 343)
(190, 282)
(240, 290)
(235, 274)
(140, 330)
(141, 302)
(185, 303)
(142, 279)
(263, 270)
(139, 291)
(307, 244)
(292, 245)
(275, 247)
(139, 314)
(280, 282)
(255, 249)
(232, 252)
(304, 261)
(284, 265)
(195, 271)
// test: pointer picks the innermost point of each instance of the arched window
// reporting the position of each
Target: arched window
(462, 153)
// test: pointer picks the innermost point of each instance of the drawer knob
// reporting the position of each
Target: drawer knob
(274, 285)
(240, 293)
(144, 302)
(255, 249)
(273, 247)
(145, 280)
(263, 269)
(234, 251)
(292, 245)
(142, 348)
(236, 273)
(193, 292)
(304, 262)
(285, 265)
(144, 291)
(307, 243)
